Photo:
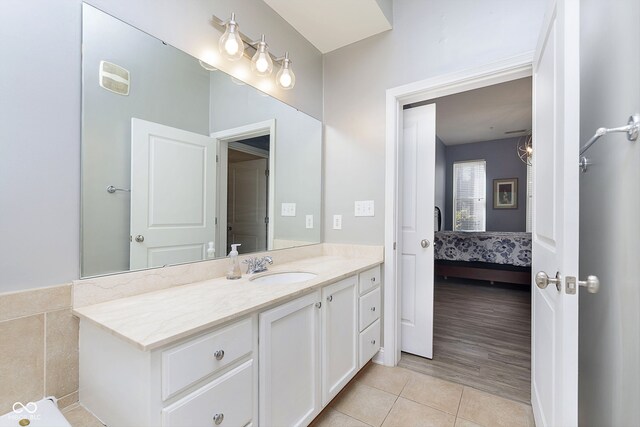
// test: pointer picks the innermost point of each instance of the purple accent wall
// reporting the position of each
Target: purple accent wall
(502, 162)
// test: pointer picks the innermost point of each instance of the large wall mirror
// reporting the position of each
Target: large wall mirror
(180, 160)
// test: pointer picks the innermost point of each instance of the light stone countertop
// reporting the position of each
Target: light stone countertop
(154, 319)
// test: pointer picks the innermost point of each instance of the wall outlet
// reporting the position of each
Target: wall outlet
(337, 222)
(309, 221)
(288, 209)
(364, 208)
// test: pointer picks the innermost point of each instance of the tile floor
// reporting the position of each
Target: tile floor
(398, 397)
(382, 396)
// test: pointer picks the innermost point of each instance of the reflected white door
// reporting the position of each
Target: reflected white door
(247, 205)
(173, 193)
(417, 194)
(556, 131)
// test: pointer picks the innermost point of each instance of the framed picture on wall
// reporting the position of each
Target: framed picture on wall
(505, 193)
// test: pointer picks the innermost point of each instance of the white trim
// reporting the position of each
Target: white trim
(229, 136)
(244, 148)
(498, 72)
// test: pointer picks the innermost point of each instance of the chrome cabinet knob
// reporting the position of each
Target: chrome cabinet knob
(373, 342)
(543, 280)
(373, 308)
(219, 354)
(424, 243)
(218, 418)
(318, 304)
(373, 279)
(330, 298)
(592, 284)
(139, 238)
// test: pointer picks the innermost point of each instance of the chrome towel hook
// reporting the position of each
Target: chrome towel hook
(632, 129)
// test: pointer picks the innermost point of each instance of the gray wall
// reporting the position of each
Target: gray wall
(502, 162)
(40, 114)
(168, 86)
(298, 152)
(609, 364)
(429, 38)
(441, 180)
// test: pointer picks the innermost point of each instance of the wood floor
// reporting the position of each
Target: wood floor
(482, 337)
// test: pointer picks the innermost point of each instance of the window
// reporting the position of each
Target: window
(469, 195)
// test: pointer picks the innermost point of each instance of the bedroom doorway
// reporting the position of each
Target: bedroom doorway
(480, 265)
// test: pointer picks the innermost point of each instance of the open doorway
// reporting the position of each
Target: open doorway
(246, 182)
(248, 194)
(475, 238)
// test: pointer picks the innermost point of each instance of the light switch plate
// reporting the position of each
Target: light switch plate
(288, 209)
(309, 221)
(364, 208)
(337, 222)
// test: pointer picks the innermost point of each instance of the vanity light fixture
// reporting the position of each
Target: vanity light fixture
(261, 63)
(233, 46)
(285, 79)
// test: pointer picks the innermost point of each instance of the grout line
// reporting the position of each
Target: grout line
(390, 409)
(460, 401)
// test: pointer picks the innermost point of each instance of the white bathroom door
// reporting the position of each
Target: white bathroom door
(173, 195)
(417, 205)
(556, 139)
(247, 205)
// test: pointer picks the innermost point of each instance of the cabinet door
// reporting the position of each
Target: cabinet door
(290, 363)
(339, 336)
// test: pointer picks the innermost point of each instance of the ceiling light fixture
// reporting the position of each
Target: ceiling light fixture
(233, 46)
(261, 63)
(525, 148)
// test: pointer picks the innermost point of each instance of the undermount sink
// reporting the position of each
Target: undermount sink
(283, 278)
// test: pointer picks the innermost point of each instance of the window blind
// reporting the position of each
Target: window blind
(469, 195)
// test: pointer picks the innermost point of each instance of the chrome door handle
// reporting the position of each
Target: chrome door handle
(543, 280)
(424, 243)
(592, 284)
(139, 238)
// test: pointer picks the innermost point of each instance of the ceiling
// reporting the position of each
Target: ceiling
(332, 24)
(484, 114)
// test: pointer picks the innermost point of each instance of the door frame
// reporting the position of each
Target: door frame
(223, 139)
(513, 68)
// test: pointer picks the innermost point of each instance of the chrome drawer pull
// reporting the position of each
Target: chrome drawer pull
(219, 354)
(218, 418)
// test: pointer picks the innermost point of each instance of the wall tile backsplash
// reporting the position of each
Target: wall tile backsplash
(39, 347)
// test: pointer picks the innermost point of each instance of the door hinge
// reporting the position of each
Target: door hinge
(266, 173)
(394, 246)
(266, 220)
(217, 159)
(216, 221)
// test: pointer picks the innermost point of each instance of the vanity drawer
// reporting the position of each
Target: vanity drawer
(369, 342)
(226, 401)
(369, 279)
(369, 308)
(189, 362)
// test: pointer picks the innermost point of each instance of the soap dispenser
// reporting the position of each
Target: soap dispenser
(234, 266)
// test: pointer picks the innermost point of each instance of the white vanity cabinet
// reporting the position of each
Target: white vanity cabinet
(369, 314)
(209, 379)
(339, 336)
(290, 362)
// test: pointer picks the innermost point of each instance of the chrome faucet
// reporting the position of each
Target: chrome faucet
(257, 265)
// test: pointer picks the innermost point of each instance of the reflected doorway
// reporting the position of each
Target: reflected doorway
(248, 194)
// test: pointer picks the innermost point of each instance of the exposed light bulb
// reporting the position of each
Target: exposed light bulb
(286, 79)
(231, 45)
(261, 63)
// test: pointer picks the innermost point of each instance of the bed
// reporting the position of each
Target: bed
(493, 256)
